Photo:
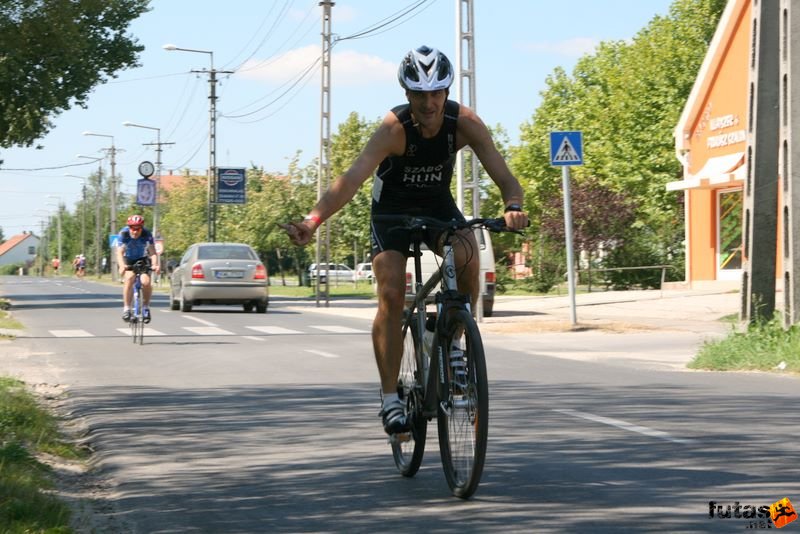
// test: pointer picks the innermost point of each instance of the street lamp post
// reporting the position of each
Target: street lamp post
(83, 211)
(112, 193)
(158, 145)
(212, 133)
(97, 214)
(58, 226)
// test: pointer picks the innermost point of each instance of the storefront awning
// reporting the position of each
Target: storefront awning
(716, 172)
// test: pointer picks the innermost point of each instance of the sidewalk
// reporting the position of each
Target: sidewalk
(646, 329)
(619, 311)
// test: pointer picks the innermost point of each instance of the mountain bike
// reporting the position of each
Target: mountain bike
(446, 380)
(136, 322)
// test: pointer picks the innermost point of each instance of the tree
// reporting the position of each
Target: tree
(351, 224)
(626, 98)
(53, 53)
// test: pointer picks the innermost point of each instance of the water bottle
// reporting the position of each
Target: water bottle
(427, 336)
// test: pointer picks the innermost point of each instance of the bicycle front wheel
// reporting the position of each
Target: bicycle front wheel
(408, 448)
(463, 416)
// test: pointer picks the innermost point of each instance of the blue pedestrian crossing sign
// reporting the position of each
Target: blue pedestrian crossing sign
(566, 148)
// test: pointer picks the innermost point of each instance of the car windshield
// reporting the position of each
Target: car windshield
(218, 252)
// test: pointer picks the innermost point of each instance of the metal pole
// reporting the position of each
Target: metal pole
(97, 221)
(212, 154)
(324, 171)
(83, 218)
(565, 178)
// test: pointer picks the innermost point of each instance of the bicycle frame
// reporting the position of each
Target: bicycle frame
(137, 311)
(447, 299)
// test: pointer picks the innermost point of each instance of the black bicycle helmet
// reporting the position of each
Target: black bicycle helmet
(425, 69)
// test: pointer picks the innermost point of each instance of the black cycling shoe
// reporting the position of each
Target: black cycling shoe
(394, 419)
(146, 315)
(126, 316)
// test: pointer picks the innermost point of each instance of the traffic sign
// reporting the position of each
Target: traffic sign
(566, 148)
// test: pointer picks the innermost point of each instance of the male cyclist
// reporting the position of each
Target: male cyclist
(136, 243)
(414, 151)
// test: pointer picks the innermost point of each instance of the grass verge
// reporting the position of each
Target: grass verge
(362, 291)
(28, 430)
(765, 346)
(6, 322)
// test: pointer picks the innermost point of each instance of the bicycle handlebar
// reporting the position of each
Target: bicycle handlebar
(421, 222)
(140, 266)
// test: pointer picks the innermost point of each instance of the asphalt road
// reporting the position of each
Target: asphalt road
(232, 422)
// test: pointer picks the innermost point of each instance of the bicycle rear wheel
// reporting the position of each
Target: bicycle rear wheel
(137, 318)
(463, 417)
(408, 449)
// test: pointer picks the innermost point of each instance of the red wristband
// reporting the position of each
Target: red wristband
(317, 221)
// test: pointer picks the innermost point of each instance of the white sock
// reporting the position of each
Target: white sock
(389, 398)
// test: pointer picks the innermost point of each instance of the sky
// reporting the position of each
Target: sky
(268, 110)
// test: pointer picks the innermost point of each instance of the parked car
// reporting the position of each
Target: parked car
(219, 273)
(431, 262)
(364, 271)
(335, 271)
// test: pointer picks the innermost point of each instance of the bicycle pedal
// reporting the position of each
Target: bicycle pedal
(400, 438)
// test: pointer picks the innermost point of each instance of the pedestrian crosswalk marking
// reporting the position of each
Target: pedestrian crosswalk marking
(70, 333)
(566, 153)
(147, 331)
(322, 353)
(274, 330)
(340, 329)
(215, 331)
(208, 331)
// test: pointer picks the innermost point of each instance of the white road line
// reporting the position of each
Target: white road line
(254, 338)
(147, 331)
(275, 330)
(70, 333)
(208, 331)
(625, 426)
(323, 354)
(340, 329)
(198, 320)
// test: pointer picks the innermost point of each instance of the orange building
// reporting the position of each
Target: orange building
(710, 142)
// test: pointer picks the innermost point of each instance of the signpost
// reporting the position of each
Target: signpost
(231, 186)
(566, 149)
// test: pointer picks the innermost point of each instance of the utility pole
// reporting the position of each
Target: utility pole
(466, 95)
(324, 171)
(158, 144)
(212, 134)
(789, 163)
(761, 182)
(465, 66)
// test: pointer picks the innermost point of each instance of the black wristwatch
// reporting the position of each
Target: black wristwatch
(513, 207)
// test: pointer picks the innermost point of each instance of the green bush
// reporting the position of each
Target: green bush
(12, 269)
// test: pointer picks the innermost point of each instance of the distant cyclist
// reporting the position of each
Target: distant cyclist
(414, 151)
(136, 243)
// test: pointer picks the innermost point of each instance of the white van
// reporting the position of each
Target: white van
(431, 262)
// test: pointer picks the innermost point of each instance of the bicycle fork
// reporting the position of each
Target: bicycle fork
(438, 385)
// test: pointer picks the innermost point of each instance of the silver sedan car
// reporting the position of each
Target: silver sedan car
(219, 273)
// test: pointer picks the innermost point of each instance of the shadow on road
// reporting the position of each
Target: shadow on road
(313, 458)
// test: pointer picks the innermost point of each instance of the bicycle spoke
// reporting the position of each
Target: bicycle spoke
(463, 419)
(409, 448)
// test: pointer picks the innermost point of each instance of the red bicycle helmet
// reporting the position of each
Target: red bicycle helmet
(135, 220)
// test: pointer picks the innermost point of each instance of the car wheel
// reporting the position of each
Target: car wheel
(261, 307)
(487, 308)
(248, 306)
(174, 304)
(186, 304)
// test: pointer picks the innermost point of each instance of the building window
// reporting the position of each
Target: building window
(729, 244)
(32, 251)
